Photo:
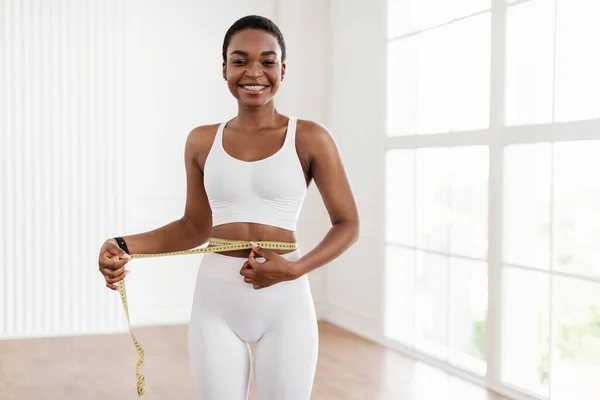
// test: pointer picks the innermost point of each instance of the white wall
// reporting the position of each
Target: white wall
(356, 114)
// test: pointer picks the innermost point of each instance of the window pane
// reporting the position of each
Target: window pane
(400, 197)
(434, 86)
(470, 74)
(402, 87)
(405, 16)
(400, 294)
(469, 201)
(529, 60)
(451, 203)
(577, 207)
(433, 202)
(525, 333)
(576, 347)
(468, 314)
(577, 60)
(431, 303)
(527, 176)
(453, 76)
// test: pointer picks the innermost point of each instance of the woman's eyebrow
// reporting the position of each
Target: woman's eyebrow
(245, 53)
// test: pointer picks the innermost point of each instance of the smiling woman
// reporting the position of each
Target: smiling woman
(253, 62)
(246, 181)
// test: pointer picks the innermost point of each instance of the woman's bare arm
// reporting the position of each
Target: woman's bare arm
(330, 177)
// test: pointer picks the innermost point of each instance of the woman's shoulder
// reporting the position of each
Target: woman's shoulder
(200, 140)
(308, 127)
(202, 131)
(203, 134)
(314, 141)
(312, 133)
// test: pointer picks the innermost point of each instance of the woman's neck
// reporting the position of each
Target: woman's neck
(255, 118)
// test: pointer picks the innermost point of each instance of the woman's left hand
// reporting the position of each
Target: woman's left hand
(273, 270)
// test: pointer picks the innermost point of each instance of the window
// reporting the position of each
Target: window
(438, 75)
(551, 236)
(492, 196)
(436, 205)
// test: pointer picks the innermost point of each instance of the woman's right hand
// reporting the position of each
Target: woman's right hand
(112, 260)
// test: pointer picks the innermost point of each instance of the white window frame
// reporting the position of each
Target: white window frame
(496, 137)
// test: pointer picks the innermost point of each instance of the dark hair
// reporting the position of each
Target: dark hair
(254, 22)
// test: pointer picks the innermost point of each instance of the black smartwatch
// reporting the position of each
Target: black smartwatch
(122, 244)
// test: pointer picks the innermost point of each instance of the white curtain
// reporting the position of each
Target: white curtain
(61, 112)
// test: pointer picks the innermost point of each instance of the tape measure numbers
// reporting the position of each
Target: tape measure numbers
(214, 245)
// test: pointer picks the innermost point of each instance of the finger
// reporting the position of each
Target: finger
(112, 254)
(111, 274)
(266, 254)
(248, 273)
(118, 278)
(115, 280)
(252, 260)
(257, 249)
(113, 285)
(115, 250)
(244, 267)
(257, 286)
(123, 257)
(114, 263)
(249, 280)
(111, 269)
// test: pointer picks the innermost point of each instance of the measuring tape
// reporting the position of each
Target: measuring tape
(214, 245)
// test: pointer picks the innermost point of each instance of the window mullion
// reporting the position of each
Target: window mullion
(551, 276)
(495, 195)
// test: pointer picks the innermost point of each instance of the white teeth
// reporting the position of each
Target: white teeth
(255, 88)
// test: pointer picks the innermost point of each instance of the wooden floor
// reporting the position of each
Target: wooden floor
(102, 367)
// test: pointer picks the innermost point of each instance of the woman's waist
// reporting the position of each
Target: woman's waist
(243, 231)
(223, 266)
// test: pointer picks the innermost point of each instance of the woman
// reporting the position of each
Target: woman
(246, 180)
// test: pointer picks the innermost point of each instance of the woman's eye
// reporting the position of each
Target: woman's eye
(268, 62)
(238, 62)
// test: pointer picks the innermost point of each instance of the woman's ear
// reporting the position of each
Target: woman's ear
(282, 71)
(224, 70)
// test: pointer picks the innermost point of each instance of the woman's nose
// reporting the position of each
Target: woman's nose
(254, 70)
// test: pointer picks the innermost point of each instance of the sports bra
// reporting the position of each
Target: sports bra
(269, 191)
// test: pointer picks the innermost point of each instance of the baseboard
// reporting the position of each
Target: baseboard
(357, 323)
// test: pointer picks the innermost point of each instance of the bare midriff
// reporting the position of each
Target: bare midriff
(252, 232)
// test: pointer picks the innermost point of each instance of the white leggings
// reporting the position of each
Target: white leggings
(228, 314)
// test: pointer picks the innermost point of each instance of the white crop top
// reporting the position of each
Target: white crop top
(270, 191)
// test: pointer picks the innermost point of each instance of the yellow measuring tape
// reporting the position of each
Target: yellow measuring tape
(214, 245)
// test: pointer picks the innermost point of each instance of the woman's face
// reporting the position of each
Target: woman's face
(253, 69)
